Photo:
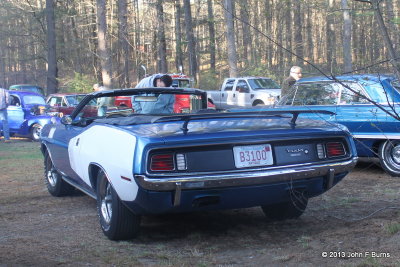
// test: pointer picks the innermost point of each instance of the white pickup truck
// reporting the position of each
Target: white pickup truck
(245, 92)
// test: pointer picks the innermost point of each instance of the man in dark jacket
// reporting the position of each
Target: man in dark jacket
(295, 75)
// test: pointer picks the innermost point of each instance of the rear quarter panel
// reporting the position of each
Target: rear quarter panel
(110, 148)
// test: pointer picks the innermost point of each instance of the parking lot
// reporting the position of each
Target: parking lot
(356, 223)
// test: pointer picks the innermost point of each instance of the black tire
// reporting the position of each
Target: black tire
(116, 221)
(35, 132)
(389, 157)
(55, 184)
(287, 210)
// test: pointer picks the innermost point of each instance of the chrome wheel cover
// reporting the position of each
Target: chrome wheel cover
(36, 132)
(391, 154)
(52, 177)
(106, 204)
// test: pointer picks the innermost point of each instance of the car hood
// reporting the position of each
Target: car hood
(269, 91)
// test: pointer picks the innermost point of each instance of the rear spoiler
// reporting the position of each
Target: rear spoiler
(250, 114)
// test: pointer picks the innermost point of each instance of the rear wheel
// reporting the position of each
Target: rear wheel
(117, 222)
(35, 132)
(55, 184)
(287, 210)
(389, 156)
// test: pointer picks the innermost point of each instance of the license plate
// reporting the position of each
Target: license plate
(251, 156)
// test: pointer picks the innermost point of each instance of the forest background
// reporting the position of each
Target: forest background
(67, 45)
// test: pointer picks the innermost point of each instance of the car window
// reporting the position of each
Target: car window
(324, 93)
(396, 84)
(349, 97)
(312, 94)
(33, 99)
(35, 89)
(184, 83)
(262, 83)
(54, 101)
(229, 85)
(14, 101)
(242, 87)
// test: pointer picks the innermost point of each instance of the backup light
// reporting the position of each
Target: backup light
(181, 162)
(335, 149)
(321, 151)
(162, 162)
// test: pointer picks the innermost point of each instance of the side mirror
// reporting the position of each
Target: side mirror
(66, 120)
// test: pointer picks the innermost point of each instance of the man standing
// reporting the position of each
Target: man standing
(164, 103)
(4, 102)
(295, 75)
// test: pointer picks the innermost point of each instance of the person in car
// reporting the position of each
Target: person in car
(165, 102)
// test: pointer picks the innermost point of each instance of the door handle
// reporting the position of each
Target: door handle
(77, 142)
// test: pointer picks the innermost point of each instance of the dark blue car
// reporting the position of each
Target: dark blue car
(27, 114)
(377, 134)
(135, 164)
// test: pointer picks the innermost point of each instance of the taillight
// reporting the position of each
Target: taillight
(335, 149)
(162, 162)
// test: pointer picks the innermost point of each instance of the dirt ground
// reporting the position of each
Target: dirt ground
(356, 223)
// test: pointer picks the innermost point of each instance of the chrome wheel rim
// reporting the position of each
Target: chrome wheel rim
(52, 177)
(106, 204)
(396, 153)
(391, 154)
(36, 132)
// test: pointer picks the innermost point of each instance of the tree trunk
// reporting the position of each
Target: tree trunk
(382, 27)
(330, 38)
(124, 42)
(178, 34)
(244, 14)
(104, 53)
(386, 37)
(52, 82)
(310, 39)
(289, 28)
(298, 36)
(190, 39)
(230, 37)
(94, 42)
(268, 25)
(162, 45)
(347, 60)
(211, 30)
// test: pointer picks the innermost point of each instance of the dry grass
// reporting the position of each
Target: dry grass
(40, 230)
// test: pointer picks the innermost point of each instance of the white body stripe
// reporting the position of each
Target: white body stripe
(110, 148)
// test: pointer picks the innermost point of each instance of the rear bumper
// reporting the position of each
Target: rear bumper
(155, 202)
(235, 190)
(244, 178)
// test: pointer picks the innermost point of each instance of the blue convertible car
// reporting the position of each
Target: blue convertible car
(27, 114)
(156, 162)
(377, 134)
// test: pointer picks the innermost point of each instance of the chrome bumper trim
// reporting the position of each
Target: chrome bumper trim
(393, 136)
(244, 178)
